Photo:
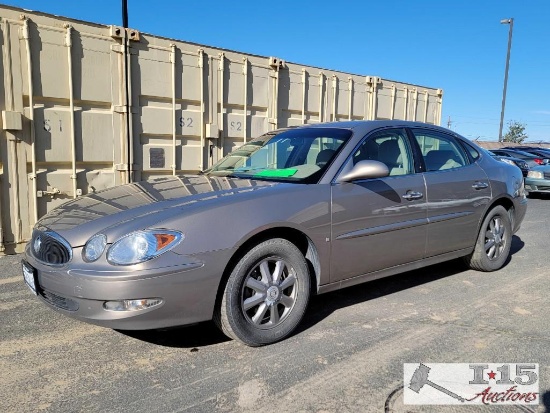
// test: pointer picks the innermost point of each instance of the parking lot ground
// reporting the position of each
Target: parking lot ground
(347, 356)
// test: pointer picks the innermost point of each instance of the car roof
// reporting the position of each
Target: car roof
(367, 125)
(508, 157)
(516, 151)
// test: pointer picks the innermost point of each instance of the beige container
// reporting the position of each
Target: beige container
(65, 115)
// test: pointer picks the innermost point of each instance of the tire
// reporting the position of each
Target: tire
(493, 243)
(266, 294)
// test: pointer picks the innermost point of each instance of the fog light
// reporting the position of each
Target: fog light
(132, 305)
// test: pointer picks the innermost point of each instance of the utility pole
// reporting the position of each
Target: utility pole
(129, 143)
(125, 14)
(511, 23)
(449, 123)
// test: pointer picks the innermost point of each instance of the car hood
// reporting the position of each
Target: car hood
(541, 168)
(83, 217)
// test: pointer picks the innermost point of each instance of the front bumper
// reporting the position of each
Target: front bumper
(537, 185)
(187, 285)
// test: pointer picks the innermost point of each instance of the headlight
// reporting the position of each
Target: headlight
(94, 248)
(535, 174)
(142, 246)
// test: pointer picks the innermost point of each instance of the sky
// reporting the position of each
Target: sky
(459, 46)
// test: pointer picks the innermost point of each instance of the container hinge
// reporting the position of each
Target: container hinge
(24, 31)
(68, 38)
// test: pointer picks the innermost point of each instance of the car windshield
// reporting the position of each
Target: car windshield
(296, 155)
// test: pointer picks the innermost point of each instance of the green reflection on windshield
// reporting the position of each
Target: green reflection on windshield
(276, 173)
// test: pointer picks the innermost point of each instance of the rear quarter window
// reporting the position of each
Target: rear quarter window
(471, 150)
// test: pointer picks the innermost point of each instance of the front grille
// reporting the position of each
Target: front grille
(50, 248)
(546, 175)
(58, 301)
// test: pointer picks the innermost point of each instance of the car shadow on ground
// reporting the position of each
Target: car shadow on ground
(517, 245)
(539, 195)
(320, 307)
(191, 337)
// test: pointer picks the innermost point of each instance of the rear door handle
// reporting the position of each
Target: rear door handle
(480, 185)
(411, 196)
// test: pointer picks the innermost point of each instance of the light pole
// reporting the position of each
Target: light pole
(127, 90)
(125, 14)
(511, 23)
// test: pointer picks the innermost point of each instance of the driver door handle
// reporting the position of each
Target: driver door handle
(411, 196)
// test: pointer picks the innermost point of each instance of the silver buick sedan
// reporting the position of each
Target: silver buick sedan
(292, 213)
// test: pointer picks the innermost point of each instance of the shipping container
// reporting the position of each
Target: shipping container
(88, 106)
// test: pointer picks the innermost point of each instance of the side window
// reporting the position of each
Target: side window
(440, 151)
(390, 147)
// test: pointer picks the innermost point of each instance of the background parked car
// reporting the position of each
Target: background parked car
(532, 160)
(538, 180)
(521, 164)
(542, 152)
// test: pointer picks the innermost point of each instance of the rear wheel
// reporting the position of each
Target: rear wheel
(493, 242)
(266, 294)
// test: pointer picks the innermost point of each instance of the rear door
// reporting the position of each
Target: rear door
(379, 223)
(458, 191)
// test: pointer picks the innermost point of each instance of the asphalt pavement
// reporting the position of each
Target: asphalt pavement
(347, 356)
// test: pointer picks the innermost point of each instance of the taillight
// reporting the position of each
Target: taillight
(539, 161)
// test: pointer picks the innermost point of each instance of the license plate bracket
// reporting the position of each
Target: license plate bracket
(30, 277)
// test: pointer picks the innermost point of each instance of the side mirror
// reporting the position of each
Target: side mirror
(365, 170)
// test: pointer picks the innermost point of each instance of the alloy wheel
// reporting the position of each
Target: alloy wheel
(269, 293)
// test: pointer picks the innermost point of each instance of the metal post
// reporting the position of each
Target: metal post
(125, 14)
(511, 23)
(129, 143)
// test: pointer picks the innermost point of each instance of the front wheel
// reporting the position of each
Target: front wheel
(493, 242)
(266, 294)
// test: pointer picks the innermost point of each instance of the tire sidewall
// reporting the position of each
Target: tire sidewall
(241, 328)
(485, 261)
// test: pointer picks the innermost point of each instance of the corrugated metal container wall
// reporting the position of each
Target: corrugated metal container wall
(68, 130)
